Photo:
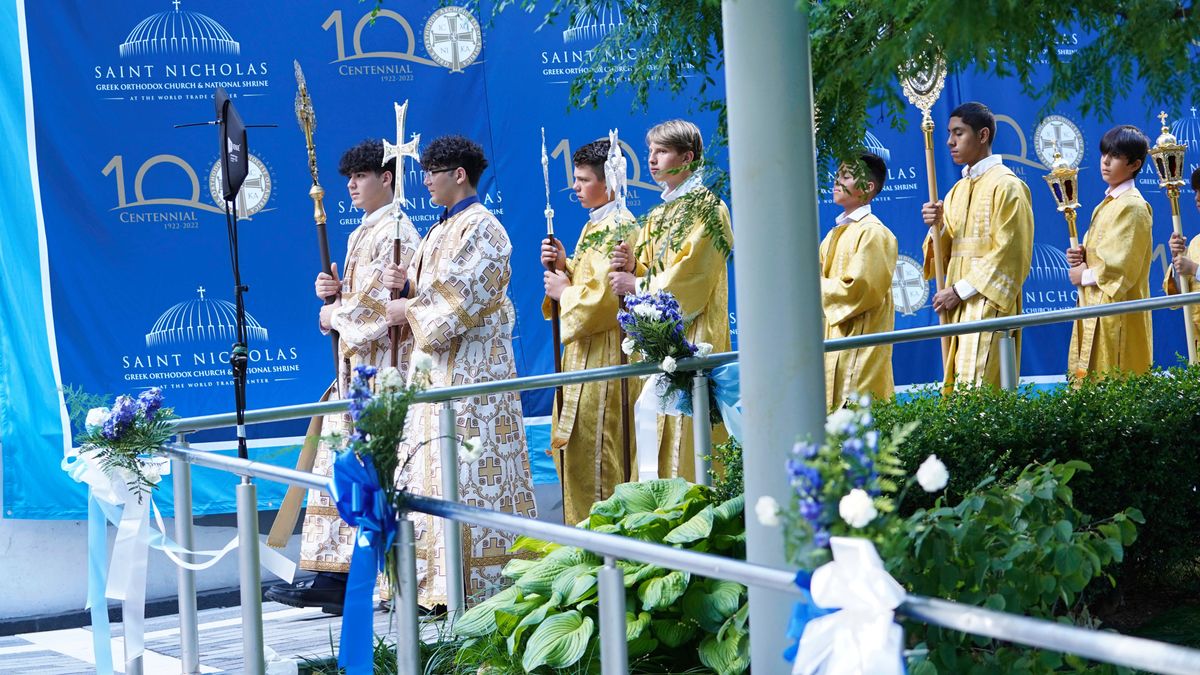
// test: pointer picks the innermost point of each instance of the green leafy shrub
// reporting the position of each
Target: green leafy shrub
(727, 480)
(1021, 548)
(1139, 434)
(548, 619)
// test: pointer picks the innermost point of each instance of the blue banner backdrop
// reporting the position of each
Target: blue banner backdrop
(135, 249)
(132, 243)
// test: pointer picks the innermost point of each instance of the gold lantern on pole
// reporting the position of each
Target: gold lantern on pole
(1167, 155)
(1063, 180)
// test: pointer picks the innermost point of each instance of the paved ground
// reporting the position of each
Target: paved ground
(292, 633)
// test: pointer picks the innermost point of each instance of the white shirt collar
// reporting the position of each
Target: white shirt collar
(378, 214)
(980, 167)
(694, 182)
(1119, 190)
(601, 212)
(855, 215)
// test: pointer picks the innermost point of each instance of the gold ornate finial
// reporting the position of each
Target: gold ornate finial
(307, 119)
(1162, 117)
(922, 80)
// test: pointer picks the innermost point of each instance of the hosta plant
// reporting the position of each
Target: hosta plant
(548, 619)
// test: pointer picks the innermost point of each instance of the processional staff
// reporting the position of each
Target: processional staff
(555, 327)
(922, 81)
(1167, 154)
(399, 151)
(1063, 181)
(618, 186)
(308, 123)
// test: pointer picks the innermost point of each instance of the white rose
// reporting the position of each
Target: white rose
(151, 471)
(668, 364)
(838, 420)
(857, 509)
(96, 418)
(767, 510)
(390, 379)
(703, 349)
(628, 345)
(647, 311)
(932, 474)
(422, 362)
(470, 450)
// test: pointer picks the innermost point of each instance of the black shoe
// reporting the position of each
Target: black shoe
(431, 612)
(323, 591)
(422, 611)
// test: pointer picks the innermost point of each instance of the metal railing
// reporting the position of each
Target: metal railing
(1107, 647)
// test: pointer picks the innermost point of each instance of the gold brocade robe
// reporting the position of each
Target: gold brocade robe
(987, 240)
(588, 436)
(327, 543)
(1118, 245)
(460, 315)
(1172, 288)
(675, 254)
(858, 259)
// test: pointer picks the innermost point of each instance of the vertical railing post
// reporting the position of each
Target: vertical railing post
(455, 600)
(408, 630)
(614, 653)
(189, 632)
(768, 85)
(701, 428)
(254, 661)
(1008, 361)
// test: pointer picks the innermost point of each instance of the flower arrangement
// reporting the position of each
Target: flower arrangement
(1017, 546)
(654, 330)
(842, 486)
(123, 436)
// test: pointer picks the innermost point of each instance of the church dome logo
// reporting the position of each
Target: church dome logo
(1186, 131)
(1048, 286)
(202, 320)
(594, 22)
(875, 146)
(179, 32)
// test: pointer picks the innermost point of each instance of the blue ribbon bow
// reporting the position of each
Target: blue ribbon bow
(725, 382)
(363, 503)
(805, 610)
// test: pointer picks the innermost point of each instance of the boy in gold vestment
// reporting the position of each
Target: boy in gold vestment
(677, 251)
(1113, 264)
(588, 432)
(858, 258)
(986, 230)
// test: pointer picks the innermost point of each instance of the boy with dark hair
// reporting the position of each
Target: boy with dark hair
(456, 303)
(360, 317)
(677, 250)
(1184, 259)
(1113, 264)
(587, 436)
(858, 258)
(986, 231)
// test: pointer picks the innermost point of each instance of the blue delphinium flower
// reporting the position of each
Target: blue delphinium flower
(149, 401)
(360, 392)
(121, 418)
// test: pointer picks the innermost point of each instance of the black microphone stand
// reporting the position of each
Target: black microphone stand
(234, 169)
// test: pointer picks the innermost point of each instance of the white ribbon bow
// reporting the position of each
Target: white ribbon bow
(863, 637)
(135, 537)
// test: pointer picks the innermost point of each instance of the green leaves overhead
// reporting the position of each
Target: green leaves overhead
(858, 46)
